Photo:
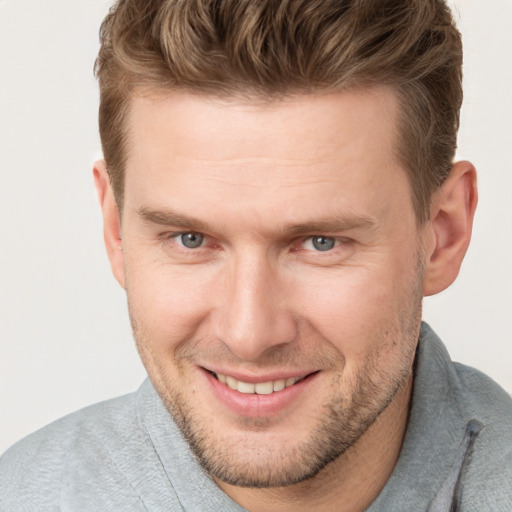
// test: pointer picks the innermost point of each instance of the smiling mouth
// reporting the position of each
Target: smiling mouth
(259, 388)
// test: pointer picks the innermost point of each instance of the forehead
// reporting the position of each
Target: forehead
(307, 126)
(338, 146)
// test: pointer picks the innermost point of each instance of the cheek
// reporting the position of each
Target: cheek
(166, 304)
(353, 308)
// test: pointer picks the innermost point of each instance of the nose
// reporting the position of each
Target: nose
(254, 313)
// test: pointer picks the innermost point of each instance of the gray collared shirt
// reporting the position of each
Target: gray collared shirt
(127, 454)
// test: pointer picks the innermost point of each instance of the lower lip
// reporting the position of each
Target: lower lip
(254, 405)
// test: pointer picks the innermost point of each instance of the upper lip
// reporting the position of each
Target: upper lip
(255, 378)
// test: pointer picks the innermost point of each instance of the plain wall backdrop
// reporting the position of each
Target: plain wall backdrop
(65, 335)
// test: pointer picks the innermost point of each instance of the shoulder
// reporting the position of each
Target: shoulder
(448, 396)
(472, 393)
(77, 448)
(489, 472)
(480, 395)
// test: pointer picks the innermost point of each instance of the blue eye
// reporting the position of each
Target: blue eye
(323, 243)
(190, 240)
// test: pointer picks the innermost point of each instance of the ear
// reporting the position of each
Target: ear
(449, 228)
(111, 220)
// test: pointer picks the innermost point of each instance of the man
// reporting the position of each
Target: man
(278, 195)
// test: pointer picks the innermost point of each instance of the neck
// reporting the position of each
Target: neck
(348, 484)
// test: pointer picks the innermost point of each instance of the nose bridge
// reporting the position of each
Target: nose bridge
(254, 313)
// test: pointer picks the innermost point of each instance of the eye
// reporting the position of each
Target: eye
(190, 240)
(320, 243)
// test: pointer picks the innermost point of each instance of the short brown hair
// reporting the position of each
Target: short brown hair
(271, 48)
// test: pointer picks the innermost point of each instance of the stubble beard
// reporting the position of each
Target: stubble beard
(247, 462)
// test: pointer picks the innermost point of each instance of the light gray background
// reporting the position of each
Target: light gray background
(65, 337)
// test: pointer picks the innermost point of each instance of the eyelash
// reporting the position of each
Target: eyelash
(338, 241)
(178, 235)
(170, 240)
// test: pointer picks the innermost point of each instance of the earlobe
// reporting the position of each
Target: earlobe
(449, 228)
(111, 220)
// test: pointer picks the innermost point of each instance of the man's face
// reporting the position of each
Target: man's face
(271, 248)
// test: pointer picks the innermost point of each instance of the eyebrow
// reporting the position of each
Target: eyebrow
(331, 225)
(169, 217)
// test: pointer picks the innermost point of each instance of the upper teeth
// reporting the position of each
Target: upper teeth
(260, 388)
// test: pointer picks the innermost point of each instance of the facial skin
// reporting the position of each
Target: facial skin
(304, 259)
